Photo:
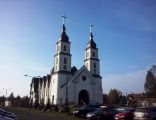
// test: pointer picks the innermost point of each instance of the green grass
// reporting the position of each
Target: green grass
(26, 114)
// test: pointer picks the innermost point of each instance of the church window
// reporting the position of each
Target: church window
(65, 67)
(65, 48)
(87, 54)
(56, 68)
(65, 60)
(93, 54)
(58, 48)
(52, 99)
(94, 65)
(84, 78)
(56, 60)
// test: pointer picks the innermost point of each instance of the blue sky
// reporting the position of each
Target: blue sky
(124, 30)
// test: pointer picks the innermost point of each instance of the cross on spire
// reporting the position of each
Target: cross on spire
(90, 27)
(63, 18)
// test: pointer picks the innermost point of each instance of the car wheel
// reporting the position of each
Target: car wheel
(98, 117)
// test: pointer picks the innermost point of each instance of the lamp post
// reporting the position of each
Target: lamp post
(6, 91)
(30, 101)
(66, 100)
(32, 76)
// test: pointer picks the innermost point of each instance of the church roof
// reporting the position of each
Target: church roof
(91, 43)
(74, 70)
(64, 37)
(49, 79)
(35, 83)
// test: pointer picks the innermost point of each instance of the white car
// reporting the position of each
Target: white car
(145, 113)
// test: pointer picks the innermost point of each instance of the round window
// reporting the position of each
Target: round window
(84, 78)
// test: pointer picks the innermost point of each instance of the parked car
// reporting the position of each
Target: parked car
(125, 113)
(5, 118)
(145, 113)
(103, 113)
(84, 110)
(7, 114)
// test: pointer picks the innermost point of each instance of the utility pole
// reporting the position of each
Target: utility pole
(66, 100)
(6, 91)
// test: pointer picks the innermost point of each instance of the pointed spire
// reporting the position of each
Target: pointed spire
(64, 36)
(90, 28)
(91, 43)
(63, 21)
(63, 18)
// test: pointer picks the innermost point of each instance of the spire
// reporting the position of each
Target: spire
(63, 20)
(64, 36)
(90, 28)
(91, 42)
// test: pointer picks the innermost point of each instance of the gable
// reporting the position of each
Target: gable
(82, 73)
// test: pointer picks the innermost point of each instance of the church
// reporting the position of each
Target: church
(67, 84)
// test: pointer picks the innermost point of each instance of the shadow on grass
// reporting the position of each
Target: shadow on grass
(32, 114)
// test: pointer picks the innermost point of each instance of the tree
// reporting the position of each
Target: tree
(11, 97)
(150, 84)
(114, 96)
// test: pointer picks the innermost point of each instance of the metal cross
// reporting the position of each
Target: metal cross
(90, 27)
(63, 18)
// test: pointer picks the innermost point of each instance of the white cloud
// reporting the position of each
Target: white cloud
(130, 82)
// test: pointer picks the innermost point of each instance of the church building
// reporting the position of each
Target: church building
(67, 84)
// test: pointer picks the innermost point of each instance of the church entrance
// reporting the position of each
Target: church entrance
(83, 97)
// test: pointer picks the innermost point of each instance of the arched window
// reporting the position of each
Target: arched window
(56, 60)
(65, 60)
(58, 49)
(94, 65)
(87, 54)
(93, 54)
(52, 99)
(65, 48)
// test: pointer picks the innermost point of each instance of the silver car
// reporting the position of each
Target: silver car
(145, 113)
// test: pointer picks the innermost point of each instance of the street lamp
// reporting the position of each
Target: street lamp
(32, 76)
(6, 91)
(66, 100)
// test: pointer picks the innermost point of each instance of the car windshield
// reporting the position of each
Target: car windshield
(141, 110)
(84, 107)
(98, 110)
(128, 110)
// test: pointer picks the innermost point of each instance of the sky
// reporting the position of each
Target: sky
(124, 31)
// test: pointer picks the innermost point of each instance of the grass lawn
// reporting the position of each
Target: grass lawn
(26, 114)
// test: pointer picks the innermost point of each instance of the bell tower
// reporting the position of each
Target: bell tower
(62, 58)
(91, 55)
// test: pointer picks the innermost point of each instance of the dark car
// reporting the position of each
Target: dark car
(8, 114)
(84, 110)
(125, 114)
(103, 113)
(145, 113)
